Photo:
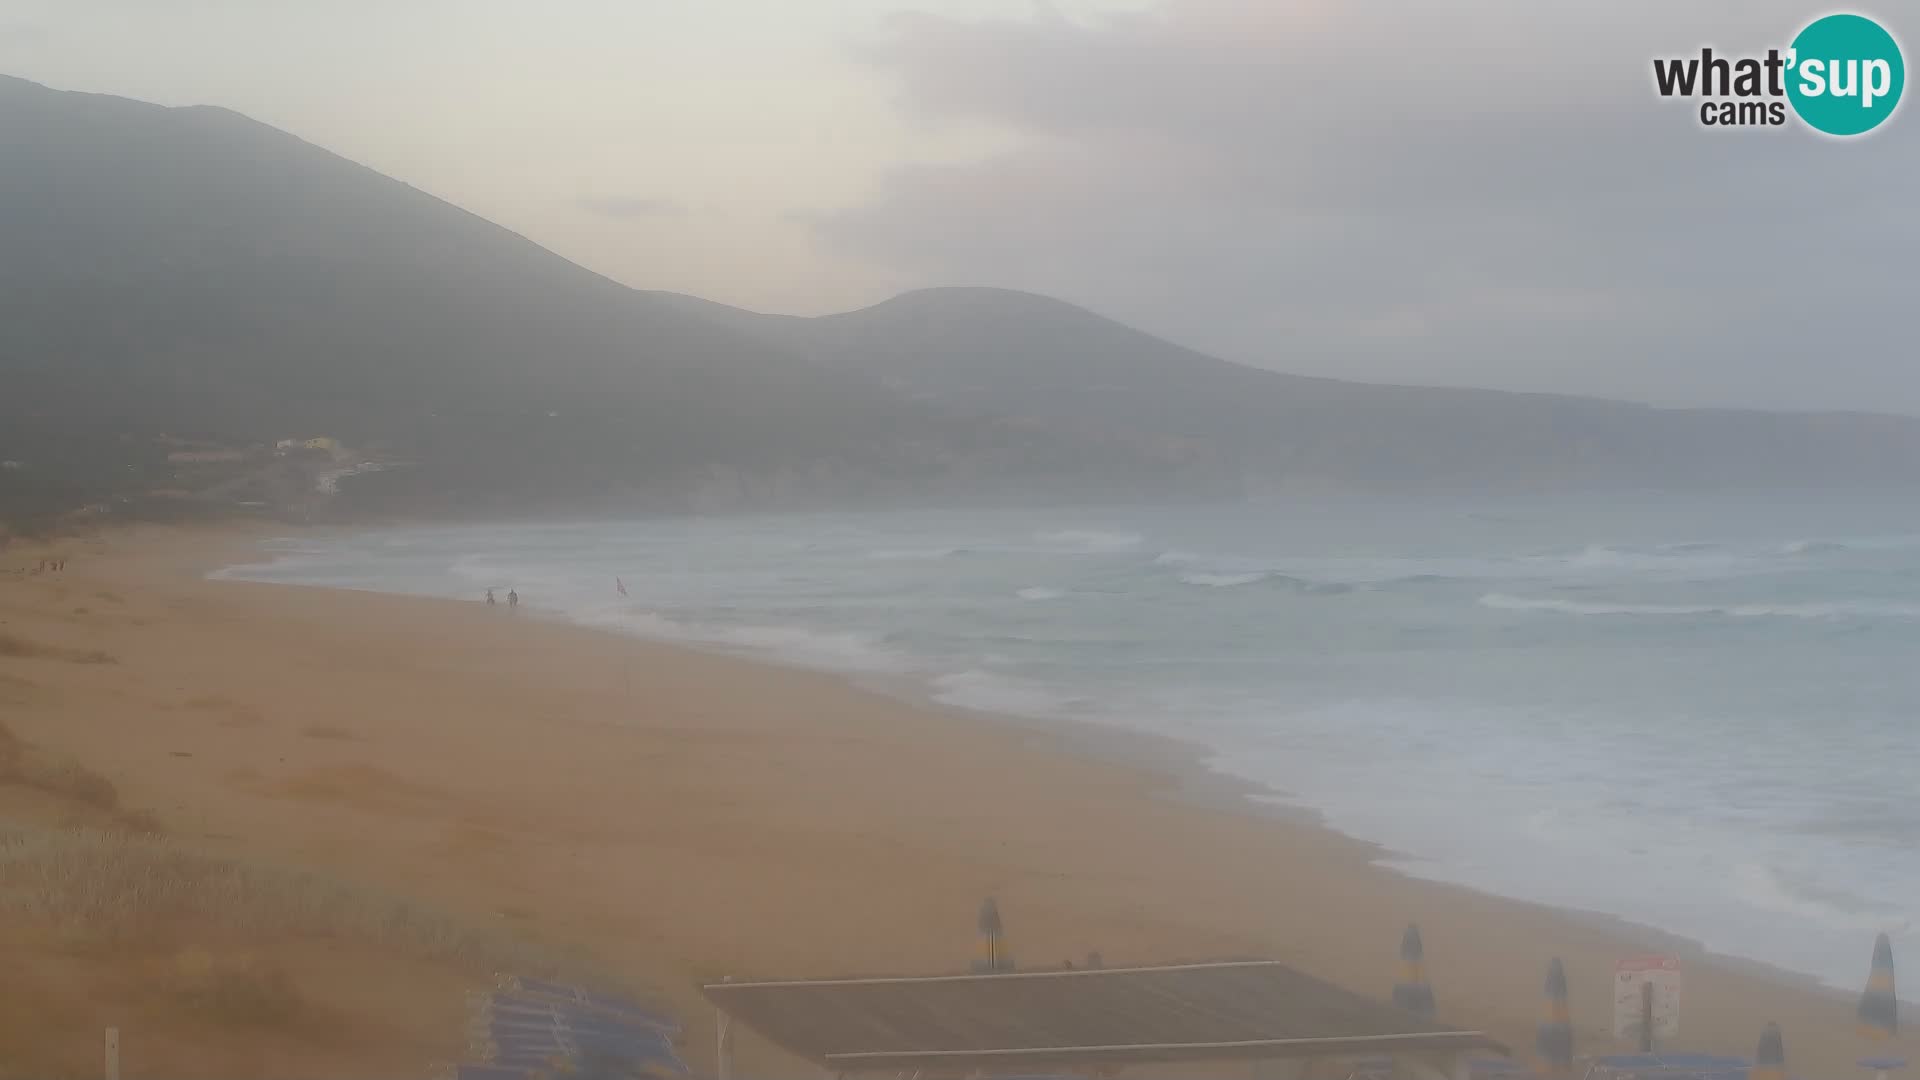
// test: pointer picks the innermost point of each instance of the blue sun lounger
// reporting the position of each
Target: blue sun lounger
(488, 1072)
(1380, 1067)
(651, 1049)
(532, 1029)
(496, 1021)
(516, 988)
(1674, 1066)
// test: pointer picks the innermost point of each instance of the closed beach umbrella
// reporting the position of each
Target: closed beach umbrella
(1769, 1058)
(1412, 992)
(993, 940)
(1554, 1039)
(1879, 1010)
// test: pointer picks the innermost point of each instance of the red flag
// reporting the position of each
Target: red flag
(621, 585)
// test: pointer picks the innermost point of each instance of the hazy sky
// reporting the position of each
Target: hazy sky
(1487, 195)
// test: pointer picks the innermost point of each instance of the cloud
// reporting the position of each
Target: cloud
(14, 34)
(630, 207)
(1488, 194)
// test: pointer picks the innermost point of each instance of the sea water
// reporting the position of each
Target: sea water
(1698, 714)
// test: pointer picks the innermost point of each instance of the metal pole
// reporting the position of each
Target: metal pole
(723, 1063)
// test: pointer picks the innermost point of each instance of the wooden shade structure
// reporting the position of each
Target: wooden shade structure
(1014, 1022)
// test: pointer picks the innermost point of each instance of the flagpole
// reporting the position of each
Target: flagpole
(626, 658)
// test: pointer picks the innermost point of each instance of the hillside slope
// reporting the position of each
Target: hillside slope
(186, 283)
(193, 273)
(1010, 354)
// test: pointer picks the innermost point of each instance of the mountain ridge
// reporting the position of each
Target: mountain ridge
(187, 272)
(931, 292)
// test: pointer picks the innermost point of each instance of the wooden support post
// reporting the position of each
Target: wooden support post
(1279, 1068)
(1460, 1067)
(1646, 1018)
(723, 1060)
(1420, 1067)
(113, 1053)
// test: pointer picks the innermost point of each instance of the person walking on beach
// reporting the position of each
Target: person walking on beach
(489, 597)
(513, 599)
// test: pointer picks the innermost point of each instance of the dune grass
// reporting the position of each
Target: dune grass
(125, 879)
(110, 886)
(22, 648)
(240, 989)
(26, 765)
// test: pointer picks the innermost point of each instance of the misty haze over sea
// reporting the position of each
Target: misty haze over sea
(1694, 713)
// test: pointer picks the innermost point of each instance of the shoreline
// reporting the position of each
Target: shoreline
(738, 817)
(1194, 779)
(1190, 779)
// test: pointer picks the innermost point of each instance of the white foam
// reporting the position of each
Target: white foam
(483, 572)
(840, 651)
(1830, 611)
(254, 571)
(1509, 602)
(1687, 558)
(1770, 889)
(833, 651)
(1811, 547)
(983, 691)
(1091, 541)
(474, 568)
(1038, 592)
(1223, 581)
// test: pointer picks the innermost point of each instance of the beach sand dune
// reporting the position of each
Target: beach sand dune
(659, 817)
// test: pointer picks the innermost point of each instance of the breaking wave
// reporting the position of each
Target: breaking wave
(1772, 889)
(840, 651)
(984, 691)
(1091, 541)
(1222, 581)
(1509, 602)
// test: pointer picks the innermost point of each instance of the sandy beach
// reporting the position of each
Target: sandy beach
(656, 817)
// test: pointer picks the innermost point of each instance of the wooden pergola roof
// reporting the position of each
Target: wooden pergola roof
(1014, 1021)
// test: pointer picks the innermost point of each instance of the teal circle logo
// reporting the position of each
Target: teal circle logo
(1845, 75)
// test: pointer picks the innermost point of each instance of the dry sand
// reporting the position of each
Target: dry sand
(665, 817)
